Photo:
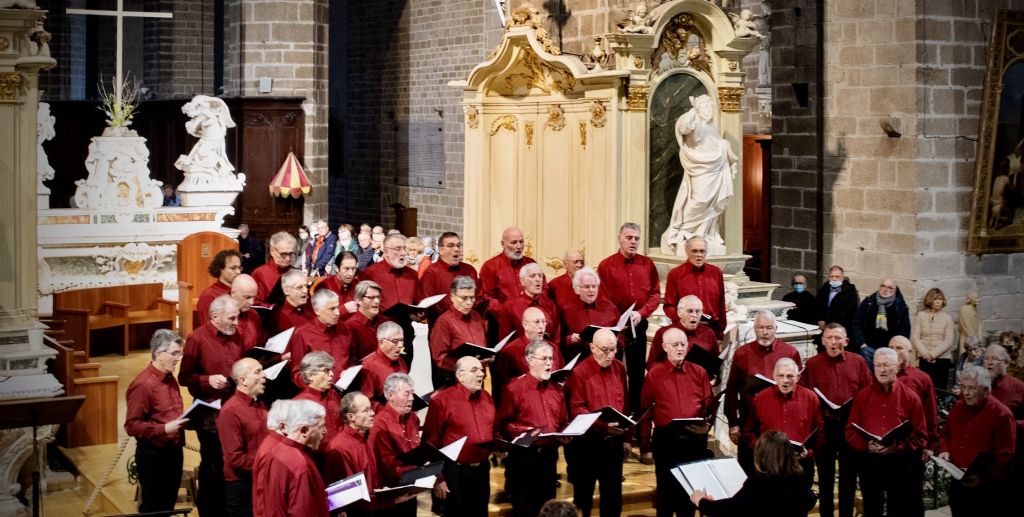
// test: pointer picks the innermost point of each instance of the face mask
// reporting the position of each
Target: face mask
(835, 283)
(799, 288)
(428, 251)
(303, 235)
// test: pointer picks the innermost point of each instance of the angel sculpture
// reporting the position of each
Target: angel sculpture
(210, 122)
(743, 23)
(637, 21)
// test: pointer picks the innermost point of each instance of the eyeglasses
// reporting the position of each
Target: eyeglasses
(398, 341)
(465, 298)
(397, 249)
(372, 297)
(606, 350)
(674, 345)
(545, 359)
(885, 366)
(284, 253)
(172, 354)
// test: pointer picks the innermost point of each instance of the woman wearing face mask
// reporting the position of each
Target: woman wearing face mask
(804, 312)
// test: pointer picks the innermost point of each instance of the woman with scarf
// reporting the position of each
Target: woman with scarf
(880, 317)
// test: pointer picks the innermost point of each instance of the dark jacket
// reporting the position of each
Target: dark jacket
(843, 306)
(325, 257)
(897, 320)
(805, 310)
(765, 496)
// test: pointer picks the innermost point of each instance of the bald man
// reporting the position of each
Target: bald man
(561, 287)
(499, 276)
(250, 325)
(511, 361)
(242, 425)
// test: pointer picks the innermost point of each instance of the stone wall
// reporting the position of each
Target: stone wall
(178, 53)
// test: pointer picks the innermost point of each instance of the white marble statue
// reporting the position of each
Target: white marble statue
(45, 130)
(734, 312)
(744, 26)
(207, 169)
(637, 21)
(118, 176)
(709, 167)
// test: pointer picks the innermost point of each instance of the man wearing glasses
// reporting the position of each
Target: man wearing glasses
(362, 326)
(697, 277)
(584, 309)
(154, 404)
(879, 318)
(398, 284)
(511, 361)
(295, 310)
(322, 334)
(461, 324)
(283, 247)
(437, 279)
(383, 362)
(1010, 391)
(596, 383)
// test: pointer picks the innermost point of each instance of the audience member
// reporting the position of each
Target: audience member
(836, 301)
(805, 310)
(932, 336)
(880, 317)
(251, 250)
(224, 267)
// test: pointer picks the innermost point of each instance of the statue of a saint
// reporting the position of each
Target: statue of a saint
(709, 167)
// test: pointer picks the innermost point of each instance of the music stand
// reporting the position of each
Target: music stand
(34, 413)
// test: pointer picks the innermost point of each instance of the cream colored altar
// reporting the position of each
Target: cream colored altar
(564, 152)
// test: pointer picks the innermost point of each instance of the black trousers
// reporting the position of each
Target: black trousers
(238, 498)
(987, 498)
(530, 477)
(636, 361)
(938, 371)
(671, 449)
(835, 449)
(888, 481)
(597, 460)
(406, 509)
(159, 470)
(469, 489)
(210, 500)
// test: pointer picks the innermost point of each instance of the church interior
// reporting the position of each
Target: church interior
(140, 138)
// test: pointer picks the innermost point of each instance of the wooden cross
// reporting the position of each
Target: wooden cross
(120, 14)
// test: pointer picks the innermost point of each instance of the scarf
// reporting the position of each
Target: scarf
(880, 320)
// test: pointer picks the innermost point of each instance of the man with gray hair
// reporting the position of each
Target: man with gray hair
(532, 403)
(322, 334)
(153, 402)
(978, 437)
(241, 425)
(584, 309)
(317, 374)
(398, 283)
(460, 324)
(438, 277)
(396, 431)
(386, 360)
(362, 326)
(285, 479)
(700, 278)
(283, 247)
(1010, 391)
(531, 278)
(511, 361)
(690, 312)
(295, 310)
(560, 288)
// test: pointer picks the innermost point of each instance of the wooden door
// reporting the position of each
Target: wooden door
(757, 159)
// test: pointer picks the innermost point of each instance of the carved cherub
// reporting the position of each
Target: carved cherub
(637, 21)
(744, 25)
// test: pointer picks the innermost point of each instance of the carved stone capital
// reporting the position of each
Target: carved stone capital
(731, 99)
(636, 97)
(10, 84)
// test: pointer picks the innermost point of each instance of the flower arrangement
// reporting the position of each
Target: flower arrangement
(119, 103)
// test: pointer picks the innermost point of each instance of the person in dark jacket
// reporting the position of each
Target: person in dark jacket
(880, 317)
(777, 489)
(805, 310)
(837, 302)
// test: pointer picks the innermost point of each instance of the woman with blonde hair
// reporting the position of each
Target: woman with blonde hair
(932, 337)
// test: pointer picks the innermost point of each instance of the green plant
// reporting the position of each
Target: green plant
(120, 101)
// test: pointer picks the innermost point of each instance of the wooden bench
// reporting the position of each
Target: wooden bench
(116, 308)
(96, 423)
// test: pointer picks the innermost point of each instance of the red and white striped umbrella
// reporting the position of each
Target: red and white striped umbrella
(290, 179)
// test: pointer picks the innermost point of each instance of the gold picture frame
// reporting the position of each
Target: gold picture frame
(997, 207)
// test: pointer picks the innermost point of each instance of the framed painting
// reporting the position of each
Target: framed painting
(997, 212)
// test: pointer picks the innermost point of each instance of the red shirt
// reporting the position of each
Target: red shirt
(398, 285)
(529, 403)
(242, 425)
(331, 401)
(250, 327)
(391, 436)
(208, 352)
(511, 363)
(153, 399)
(676, 392)
(499, 278)
(346, 293)
(701, 336)
(970, 431)
(921, 384)
(510, 316)
(839, 378)
(286, 316)
(452, 330)
(748, 361)
(348, 454)
(437, 279)
(577, 316)
(630, 281)
(266, 277)
(317, 337)
(362, 332)
(797, 414)
(455, 412)
(376, 368)
(705, 283)
(1010, 391)
(591, 388)
(878, 410)
(561, 292)
(209, 294)
(285, 480)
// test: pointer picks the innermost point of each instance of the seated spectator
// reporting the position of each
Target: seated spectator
(414, 247)
(364, 251)
(170, 196)
(805, 310)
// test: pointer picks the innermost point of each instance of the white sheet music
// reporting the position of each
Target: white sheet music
(430, 301)
(831, 404)
(347, 376)
(452, 450)
(501, 344)
(953, 470)
(580, 424)
(279, 342)
(347, 491)
(272, 372)
(721, 478)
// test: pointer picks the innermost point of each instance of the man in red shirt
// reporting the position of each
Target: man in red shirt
(788, 408)
(690, 311)
(511, 361)
(531, 278)
(629, 278)
(362, 326)
(250, 326)
(757, 357)
(599, 381)
(461, 324)
(701, 279)
(398, 283)
(209, 354)
(839, 375)
(295, 309)
(979, 437)
(499, 275)
(225, 266)
(154, 404)
(387, 359)
(317, 373)
(283, 247)
(349, 453)
(561, 287)
(438, 277)
(322, 334)
(887, 471)
(285, 479)
(242, 425)
(1010, 391)
(532, 403)
(464, 409)
(396, 431)
(921, 384)
(584, 309)
(343, 283)
(676, 389)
